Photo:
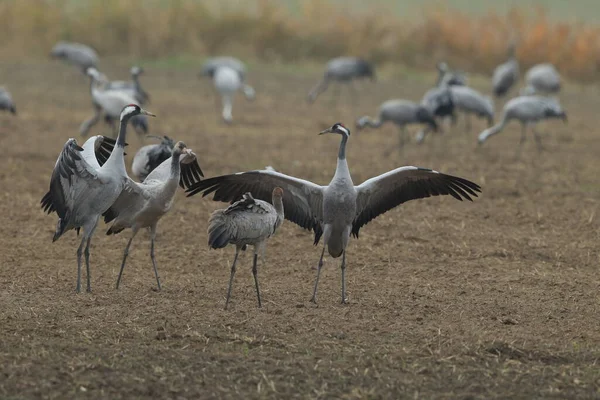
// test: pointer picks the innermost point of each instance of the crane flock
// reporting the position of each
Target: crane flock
(90, 182)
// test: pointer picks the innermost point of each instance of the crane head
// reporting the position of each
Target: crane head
(132, 110)
(338, 128)
(136, 70)
(179, 148)
(278, 192)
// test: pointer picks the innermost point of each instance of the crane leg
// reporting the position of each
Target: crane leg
(313, 299)
(255, 274)
(522, 141)
(343, 267)
(538, 138)
(79, 255)
(237, 252)
(152, 239)
(86, 252)
(468, 123)
(402, 137)
(125, 254)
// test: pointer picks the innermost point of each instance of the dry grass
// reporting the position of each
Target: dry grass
(318, 30)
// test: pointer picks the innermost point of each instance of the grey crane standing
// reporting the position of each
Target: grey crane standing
(133, 87)
(339, 209)
(528, 110)
(470, 101)
(81, 189)
(401, 113)
(228, 75)
(246, 222)
(541, 79)
(77, 54)
(6, 101)
(151, 156)
(109, 103)
(142, 205)
(506, 74)
(342, 70)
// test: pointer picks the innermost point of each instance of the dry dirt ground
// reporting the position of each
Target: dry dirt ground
(455, 300)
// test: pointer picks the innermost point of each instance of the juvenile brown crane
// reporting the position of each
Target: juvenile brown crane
(246, 222)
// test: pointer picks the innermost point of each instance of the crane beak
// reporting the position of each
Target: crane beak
(144, 112)
(328, 130)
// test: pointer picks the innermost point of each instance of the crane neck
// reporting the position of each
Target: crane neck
(175, 166)
(342, 151)
(278, 205)
(122, 131)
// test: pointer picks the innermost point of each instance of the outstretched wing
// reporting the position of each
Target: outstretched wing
(302, 200)
(384, 192)
(71, 176)
(95, 152)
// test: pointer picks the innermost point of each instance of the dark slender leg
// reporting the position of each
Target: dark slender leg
(313, 299)
(237, 252)
(522, 141)
(125, 254)
(538, 138)
(255, 273)
(153, 237)
(79, 254)
(87, 264)
(344, 300)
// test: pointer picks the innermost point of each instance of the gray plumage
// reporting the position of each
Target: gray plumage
(211, 65)
(342, 70)
(447, 77)
(506, 74)
(151, 156)
(142, 205)
(246, 222)
(228, 75)
(81, 189)
(337, 210)
(401, 113)
(541, 79)
(470, 101)
(528, 110)
(77, 54)
(108, 104)
(133, 87)
(227, 83)
(6, 101)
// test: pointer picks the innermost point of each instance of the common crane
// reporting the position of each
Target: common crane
(82, 189)
(246, 222)
(76, 54)
(470, 101)
(528, 110)
(541, 79)
(446, 77)
(109, 103)
(6, 101)
(142, 205)
(401, 113)
(342, 70)
(227, 82)
(133, 87)
(506, 74)
(339, 209)
(151, 156)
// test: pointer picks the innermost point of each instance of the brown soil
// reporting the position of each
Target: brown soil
(492, 299)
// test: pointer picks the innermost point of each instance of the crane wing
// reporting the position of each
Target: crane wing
(190, 171)
(71, 176)
(384, 192)
(302, 200)
(96, 151)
